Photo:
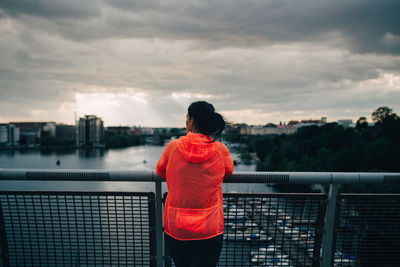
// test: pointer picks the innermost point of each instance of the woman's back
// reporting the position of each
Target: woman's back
(195, 170)
(194, 167)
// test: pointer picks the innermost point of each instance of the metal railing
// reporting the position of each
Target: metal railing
(367, 230)
(272, 229)
(77, 229)
(121, 229)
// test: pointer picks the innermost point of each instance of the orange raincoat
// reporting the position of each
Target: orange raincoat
(194, 169)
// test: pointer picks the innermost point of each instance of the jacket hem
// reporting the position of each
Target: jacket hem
(193, 239)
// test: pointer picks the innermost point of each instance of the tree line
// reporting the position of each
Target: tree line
(334, 148)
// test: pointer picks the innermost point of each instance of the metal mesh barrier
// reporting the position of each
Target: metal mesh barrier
(77, 229)
(272, 230)
(118, 229)
(368, 230)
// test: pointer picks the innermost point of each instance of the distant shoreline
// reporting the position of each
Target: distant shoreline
(35, 147)
(38, 147)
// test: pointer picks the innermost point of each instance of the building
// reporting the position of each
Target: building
(257, 130)
(50, 129)
(118, 130)
(231, 129)
(284, 128)
(244, 129)
(298, 124)
(3, 134)
(237, 129)
(13, 135)
(273, 129)
(90, 131)
(147, 131)
(31, 132)
(9, 135)
(66, 133)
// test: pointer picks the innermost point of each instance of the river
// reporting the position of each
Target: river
(132, 158)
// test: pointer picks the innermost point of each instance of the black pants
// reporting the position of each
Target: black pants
(204, 253)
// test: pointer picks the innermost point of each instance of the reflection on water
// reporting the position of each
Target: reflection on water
(142, 157)
(90, 153)
(132, 158)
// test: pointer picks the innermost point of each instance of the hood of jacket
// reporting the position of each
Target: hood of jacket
(196, 148)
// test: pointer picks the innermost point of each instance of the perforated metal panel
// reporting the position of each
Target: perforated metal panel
(77, 229)
(391, 179)
(368, 230)
(272, 230)
(117, 229)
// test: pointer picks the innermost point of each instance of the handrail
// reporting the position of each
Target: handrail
(237, 177)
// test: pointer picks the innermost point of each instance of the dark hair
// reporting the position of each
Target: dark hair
(206, 120)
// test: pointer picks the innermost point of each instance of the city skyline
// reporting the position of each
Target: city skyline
(111, 124)
(264, 124)
(143, 62)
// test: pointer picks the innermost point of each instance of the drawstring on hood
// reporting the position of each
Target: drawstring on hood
(196, 148)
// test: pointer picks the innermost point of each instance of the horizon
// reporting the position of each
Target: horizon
(296, 118)
(143, 126)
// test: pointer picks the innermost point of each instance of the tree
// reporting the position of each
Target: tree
(388, 123)
(382, 114)
(263, 147)
(362, 123)
(174, 131)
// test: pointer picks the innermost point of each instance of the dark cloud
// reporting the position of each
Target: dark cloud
(51, 9)
(363, 26)
(263, 57)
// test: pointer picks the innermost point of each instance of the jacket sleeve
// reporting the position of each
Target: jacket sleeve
(227, 161)
(161, 167)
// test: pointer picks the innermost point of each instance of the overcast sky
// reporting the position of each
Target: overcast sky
(142, 62)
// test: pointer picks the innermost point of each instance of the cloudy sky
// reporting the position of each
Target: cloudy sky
(142, 62)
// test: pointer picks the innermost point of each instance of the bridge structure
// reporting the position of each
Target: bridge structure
(98, 228)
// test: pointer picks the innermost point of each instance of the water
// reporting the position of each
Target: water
(132, 158)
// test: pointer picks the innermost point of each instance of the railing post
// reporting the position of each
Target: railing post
(329, 227)
(159, 227)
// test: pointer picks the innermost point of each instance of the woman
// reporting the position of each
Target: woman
(194, 167)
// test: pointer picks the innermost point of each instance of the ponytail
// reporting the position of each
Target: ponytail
(206, 120)
(218, 124)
